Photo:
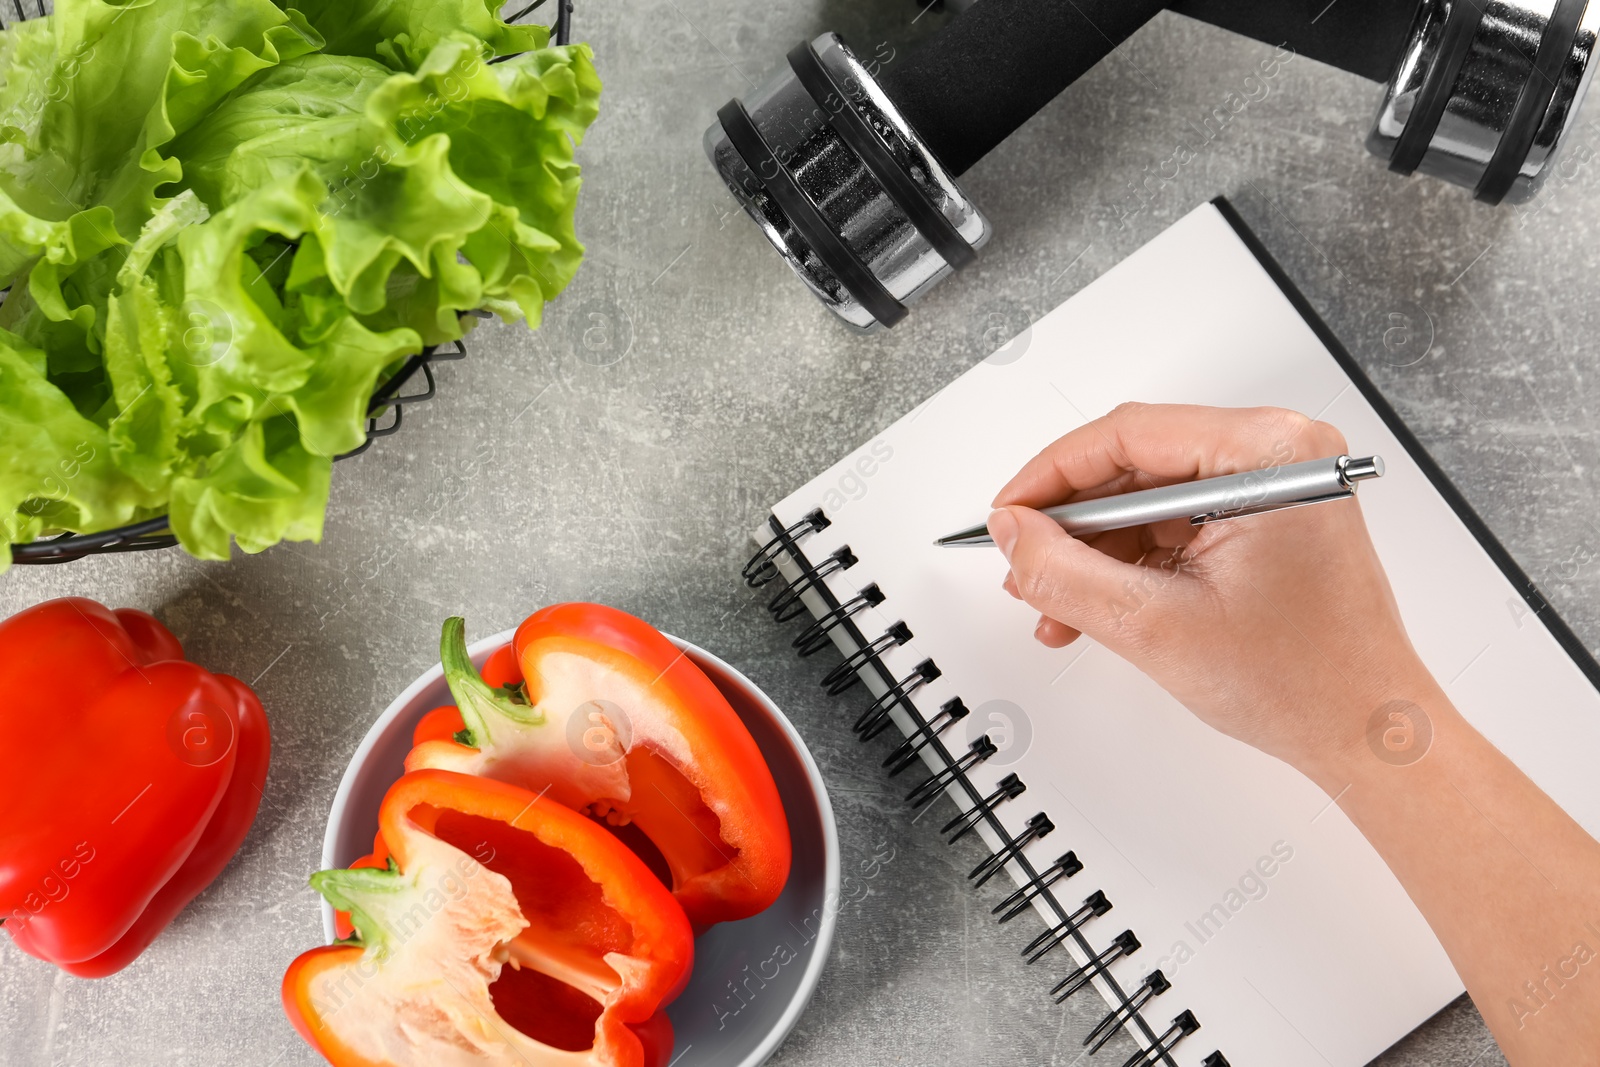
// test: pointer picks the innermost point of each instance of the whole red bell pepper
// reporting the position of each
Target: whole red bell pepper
(132, 777)
(506, 929)
(599, 709)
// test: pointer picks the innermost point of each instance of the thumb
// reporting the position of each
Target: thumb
(1059, 575)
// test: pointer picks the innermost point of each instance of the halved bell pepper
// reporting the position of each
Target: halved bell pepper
(505, 930)
(602, 711)
(132, 777)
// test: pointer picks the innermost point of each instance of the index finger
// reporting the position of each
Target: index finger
(1155, 444)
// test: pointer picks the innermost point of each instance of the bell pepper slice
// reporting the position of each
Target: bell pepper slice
(132, 775)
(507, 930)
(611, 719)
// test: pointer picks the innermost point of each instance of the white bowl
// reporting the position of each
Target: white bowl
(774, 959)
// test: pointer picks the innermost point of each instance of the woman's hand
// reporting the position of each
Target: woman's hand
(1279, 630)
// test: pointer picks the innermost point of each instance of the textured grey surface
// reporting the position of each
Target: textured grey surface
(686, 380)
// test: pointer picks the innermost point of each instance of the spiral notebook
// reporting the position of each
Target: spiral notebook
(1223, 907)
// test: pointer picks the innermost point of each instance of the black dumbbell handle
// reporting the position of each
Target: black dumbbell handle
(1363, 37)
(974, 82)
(970, 86)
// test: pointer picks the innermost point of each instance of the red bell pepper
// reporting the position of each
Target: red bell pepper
(506, 930)
(608, 716)
(133, 778)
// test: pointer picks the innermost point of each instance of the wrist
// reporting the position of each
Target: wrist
(1389, 736)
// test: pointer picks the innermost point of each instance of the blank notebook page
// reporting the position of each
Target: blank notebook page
(1324, 960)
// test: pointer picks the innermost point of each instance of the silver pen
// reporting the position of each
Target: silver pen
(1231, 496)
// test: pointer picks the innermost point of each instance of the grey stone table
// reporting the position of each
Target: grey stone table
(686, 380)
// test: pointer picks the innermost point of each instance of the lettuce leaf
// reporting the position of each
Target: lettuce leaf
(56, 466)
(402, 32)
(222, 225)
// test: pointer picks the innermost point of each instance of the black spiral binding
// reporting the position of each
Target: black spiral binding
(1182, 1026)
(1038, 826)
(1010, 788)
(788, 603)
(1155, 983)
(845, 675)
(1065, 866)
(763, 566)
(836, 623)
(875, 719)
(818, 635)
(1124, 944)
(1095, 905)
(929, 790)
(951, 712)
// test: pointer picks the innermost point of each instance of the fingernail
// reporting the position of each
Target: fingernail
(1038, 630)
(1003, 528)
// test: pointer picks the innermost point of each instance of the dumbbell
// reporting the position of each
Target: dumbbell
(848, 161)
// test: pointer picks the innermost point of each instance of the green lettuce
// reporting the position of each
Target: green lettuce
(223, 225)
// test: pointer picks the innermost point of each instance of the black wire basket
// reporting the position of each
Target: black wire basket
(385, 410)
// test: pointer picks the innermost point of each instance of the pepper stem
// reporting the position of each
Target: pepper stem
(374, 898)
(481, 705)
